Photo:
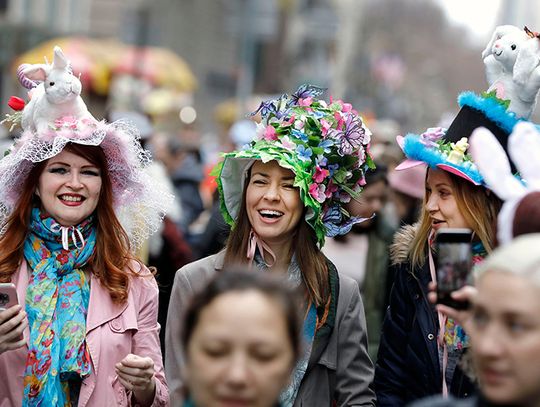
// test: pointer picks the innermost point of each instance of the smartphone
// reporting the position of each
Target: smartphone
(8, 295)
(453, 263)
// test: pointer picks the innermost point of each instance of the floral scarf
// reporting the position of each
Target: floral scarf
(57, 300)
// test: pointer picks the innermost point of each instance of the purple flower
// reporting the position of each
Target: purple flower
(351, 136)
(430, 137)
(317, 191)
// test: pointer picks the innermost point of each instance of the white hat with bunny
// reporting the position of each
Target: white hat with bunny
(55, 116)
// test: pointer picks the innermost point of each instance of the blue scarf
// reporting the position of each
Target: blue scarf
(57, 300)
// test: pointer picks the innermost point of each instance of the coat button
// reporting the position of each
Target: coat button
(431, 337)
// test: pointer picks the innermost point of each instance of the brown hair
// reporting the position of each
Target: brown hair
(310, 259)
(238, 279)
(112, 253)
(478, 206)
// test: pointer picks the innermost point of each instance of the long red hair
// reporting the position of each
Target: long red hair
(112, 254)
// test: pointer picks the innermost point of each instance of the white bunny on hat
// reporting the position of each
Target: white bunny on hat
(512, 60)
(56, 95)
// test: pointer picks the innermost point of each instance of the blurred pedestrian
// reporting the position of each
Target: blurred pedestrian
(504, 327)
(363, 253)
(85, 331)
(241, 339)
(283, 194)
(406, 193)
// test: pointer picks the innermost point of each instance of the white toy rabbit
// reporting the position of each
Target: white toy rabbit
(493, 164)
(512, 60)
(57, 95)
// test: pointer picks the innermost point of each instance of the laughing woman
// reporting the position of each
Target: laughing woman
(282, 194)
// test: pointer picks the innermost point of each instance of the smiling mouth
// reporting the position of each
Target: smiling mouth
(270, 214)
(71, 198)
(498, 53)
(437, 222)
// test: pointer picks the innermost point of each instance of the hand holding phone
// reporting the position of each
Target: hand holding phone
(12, 319)
(453, 263)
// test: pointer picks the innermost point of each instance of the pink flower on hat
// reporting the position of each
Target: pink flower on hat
(430, 137)
(320, 174)
(317, 191)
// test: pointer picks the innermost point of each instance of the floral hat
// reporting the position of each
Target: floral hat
(510, 99)
(325, 145)
(139, 201)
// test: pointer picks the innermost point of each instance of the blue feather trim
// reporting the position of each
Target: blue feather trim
(414, 149)
(492, 109)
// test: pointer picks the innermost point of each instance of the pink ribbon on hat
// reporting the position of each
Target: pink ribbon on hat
(256, 242)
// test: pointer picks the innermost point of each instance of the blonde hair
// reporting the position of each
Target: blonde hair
(477, 205)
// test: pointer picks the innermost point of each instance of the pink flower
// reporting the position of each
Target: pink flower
(325, 127)
(361, 181)
(288, 122)
(330, 189)
(270, 133)
(67, 121)
(317, 191)
(298, 124)
(339, 119)
(287, 143)
(320, 174)
(345, 107)
(305, 102)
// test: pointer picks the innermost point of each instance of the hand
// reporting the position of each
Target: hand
(12, 324)
(136, 373)
(465, 294)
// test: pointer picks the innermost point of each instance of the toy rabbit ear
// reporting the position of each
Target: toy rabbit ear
(37, 72)
(493, 164)
(527, 59)
(59, 59)
(524, 148)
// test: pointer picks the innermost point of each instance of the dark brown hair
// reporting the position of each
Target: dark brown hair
(310, 259)
(527, 215)
(112, 254)
(238, 279)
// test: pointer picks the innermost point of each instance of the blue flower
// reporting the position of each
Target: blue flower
(300, 134)
(333, 168)
(304, 153)
(321, 161)
(326, 144)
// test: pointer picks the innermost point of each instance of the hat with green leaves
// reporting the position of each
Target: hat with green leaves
(325, 145)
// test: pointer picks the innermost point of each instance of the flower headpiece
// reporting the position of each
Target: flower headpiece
(326, 146)
(140, 202)
(511, 69)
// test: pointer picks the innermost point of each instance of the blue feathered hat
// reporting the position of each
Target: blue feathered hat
(495, 109)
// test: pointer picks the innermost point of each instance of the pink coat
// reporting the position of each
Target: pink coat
(112, 331)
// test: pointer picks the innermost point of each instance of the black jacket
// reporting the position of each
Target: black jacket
(407, 366)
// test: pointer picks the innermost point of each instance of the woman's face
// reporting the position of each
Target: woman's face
(273, 204)
(505, 338)
(69, 187)
(441, 202)
(240, 353)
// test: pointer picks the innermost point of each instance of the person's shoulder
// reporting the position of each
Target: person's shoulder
(199, 272)
(400, 247)
(141, 278)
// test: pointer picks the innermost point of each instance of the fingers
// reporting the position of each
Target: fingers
(10, 319)
(9, 313)
(467, 293)
(135, 372)
(137, 362)
(449, 312)
(432, 294)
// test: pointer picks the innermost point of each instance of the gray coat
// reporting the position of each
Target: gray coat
(342, 372)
